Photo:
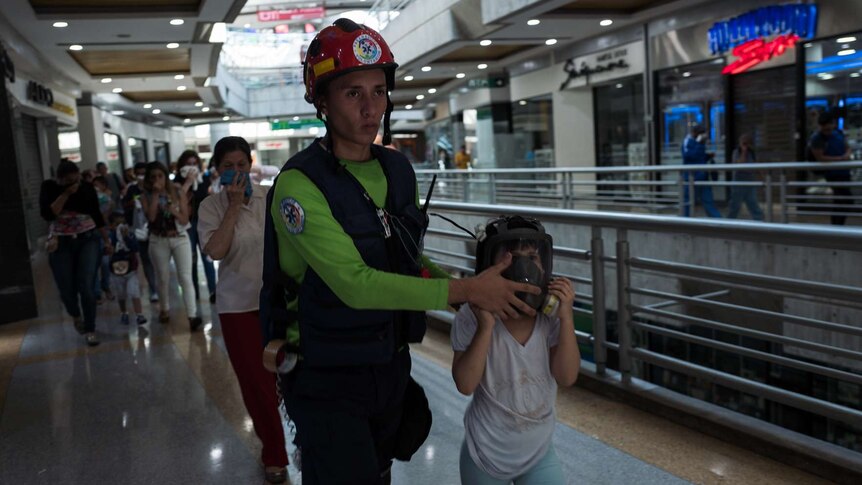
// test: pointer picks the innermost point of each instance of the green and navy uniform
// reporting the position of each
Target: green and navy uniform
(347, 416)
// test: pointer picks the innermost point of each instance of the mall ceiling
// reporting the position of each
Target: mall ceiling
(150, 59)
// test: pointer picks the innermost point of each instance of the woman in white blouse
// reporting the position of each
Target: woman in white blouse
(230, 226)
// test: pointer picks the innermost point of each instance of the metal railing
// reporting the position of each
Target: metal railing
(787, 192)
(653, 293)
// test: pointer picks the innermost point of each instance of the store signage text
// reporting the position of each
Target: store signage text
(40, 94)
(298, 124)
(488, 82)
(291, 14)
(612, 60)
(761, 34)
(8, 69)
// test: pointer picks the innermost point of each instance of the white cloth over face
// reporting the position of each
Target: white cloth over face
(510, 421)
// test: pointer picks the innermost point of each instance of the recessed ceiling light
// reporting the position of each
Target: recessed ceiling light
(826, 76)
(106, 80)
(686, 74)
(485, 42)
(177, 22)
(181, 88)
(855, 74)
(426, 68)
(847, 52)
(156, 111)
(840, 40)
(296, 118)
(187, 120)
(60, 25)
(225, 117)
(619, 85)
(522, 102)
(550, 41)
(148, 106)
(409, 106)
(172, 45)
(76, 47)
(432, 91)
(205, 109)
(117, 90)
(533, 22)
(420, 96)
(460, 75)
(275, 120)
(408, 78)
(199, 104)
(179, 77)
(245, 26)
(482, 66)
(806, 45)
(118, 112)
(606, 22)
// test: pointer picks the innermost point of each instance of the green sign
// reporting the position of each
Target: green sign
(488, 82)
(296, 124)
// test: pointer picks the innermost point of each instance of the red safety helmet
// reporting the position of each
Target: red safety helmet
(344, 47)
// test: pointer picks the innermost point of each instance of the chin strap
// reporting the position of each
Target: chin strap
(387, 133)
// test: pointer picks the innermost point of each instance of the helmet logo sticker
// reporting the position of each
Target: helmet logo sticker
(366, 49)
(293, 215)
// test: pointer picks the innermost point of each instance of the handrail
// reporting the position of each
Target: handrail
(811, 166)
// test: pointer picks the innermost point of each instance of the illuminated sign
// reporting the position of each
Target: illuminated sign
(291, 14)
(762, 34)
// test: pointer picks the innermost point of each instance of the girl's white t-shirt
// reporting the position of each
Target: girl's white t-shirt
(510, 421)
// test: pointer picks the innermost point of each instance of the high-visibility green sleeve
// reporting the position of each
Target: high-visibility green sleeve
(316, 239)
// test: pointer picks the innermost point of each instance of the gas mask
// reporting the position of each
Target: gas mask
(532, 256)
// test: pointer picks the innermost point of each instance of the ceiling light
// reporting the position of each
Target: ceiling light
(686, 74)
(826, 76)
(106, 80)
(482, 66)
(606, 22)
(408, 78)
(409, 106)
(181, 88)
(60, 25)
(179, 77)
(118, 112)
(840, 40)
(187, 120)
(148, 106)
(806, 45)
(855, 74)
(420, 96)
(432, 91)
(532, 22)
(156, 111)
(847, 52)
(313, 130)
(225, 118)
(199, 104)
(296, 118)
(550, 41)
(172, 45)
(117, 90)
(245, 26)
(426, 68)
(76, 47)
(485, 43)
(205, 109)
(218, 33)
(460, 75)
(619, 85)
(177, 22)
(522, 102)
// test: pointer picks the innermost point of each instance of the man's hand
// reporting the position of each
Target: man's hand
(495, 294)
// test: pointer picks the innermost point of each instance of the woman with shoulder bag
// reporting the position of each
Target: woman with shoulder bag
(168, 213)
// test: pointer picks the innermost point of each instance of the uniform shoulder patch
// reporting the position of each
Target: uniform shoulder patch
(293, 215)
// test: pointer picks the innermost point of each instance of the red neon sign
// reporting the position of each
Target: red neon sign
(756, 51)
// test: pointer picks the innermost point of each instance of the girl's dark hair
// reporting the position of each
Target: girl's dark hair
(185, 156)
(151, 167)
(67, 167)
(230, 144)
(102, 180)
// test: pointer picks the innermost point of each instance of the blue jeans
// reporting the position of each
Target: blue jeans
(74, 265)
(738, 195)
(209, 268)
(547, 471)
(702, 194)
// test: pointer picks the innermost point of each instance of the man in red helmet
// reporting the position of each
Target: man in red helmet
(345, 283)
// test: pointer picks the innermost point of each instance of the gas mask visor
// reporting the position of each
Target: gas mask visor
(532, 262)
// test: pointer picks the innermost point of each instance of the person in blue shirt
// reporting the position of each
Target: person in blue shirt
(694, 153)
(828, 145)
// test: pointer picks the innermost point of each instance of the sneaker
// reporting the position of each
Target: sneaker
(195, 323)
(164, 317)
(154, 298)
(124, 319)
(79, 325)
(275, 474)
(141, 319)
(91, 339)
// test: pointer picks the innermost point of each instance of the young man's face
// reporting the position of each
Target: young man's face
(354, 105)
(827, 128)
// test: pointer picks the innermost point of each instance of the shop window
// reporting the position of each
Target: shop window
(533, 131)
(833, 82)
(764, 103)
(113, 153)
(620, 133)
(439, 151)
(70, 145)
(138, 147)
(162, 152)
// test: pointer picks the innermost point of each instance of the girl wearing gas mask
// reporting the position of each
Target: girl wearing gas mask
(512, 366)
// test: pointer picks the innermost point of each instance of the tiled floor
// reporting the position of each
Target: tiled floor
(156, 404)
